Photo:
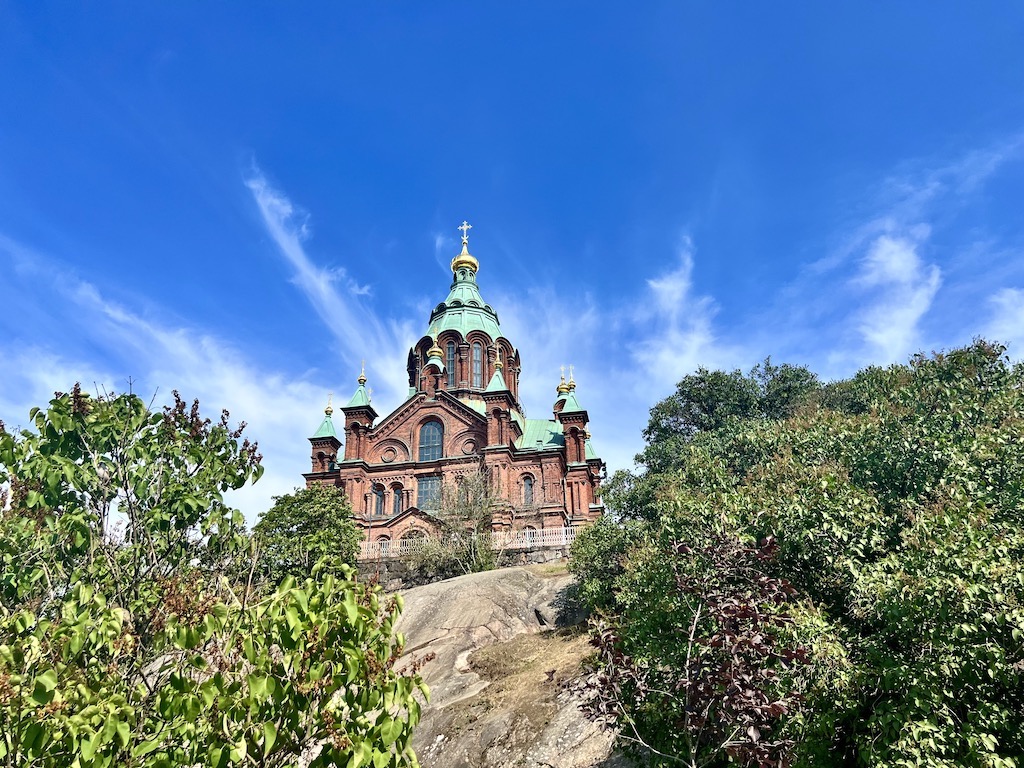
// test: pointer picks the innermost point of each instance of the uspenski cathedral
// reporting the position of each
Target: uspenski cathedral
(462, 416)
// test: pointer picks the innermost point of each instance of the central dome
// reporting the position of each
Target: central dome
(465, 309)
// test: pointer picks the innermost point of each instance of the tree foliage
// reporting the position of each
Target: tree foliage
(463, 542)
(129, 629)
(302, 529)
(897, 501)
(710, 673)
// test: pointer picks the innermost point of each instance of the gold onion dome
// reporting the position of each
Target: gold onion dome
(329, 409)
(362, 375)
(465, 260)
(562, 388)
(435, 350)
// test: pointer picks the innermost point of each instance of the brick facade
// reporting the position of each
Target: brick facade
(464, 378)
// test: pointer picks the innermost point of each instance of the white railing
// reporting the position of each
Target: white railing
(545, 538)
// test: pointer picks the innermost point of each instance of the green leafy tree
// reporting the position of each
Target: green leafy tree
(129, 630)
(462, 542)
(304, 528)
(896, 500)
(704, 403)
(710, 674)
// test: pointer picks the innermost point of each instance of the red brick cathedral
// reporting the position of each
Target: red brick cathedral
(462, 416)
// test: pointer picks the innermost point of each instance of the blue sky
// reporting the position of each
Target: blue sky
(243, 201)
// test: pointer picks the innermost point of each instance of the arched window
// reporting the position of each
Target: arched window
(378, 500)
(527, 491)
(478, 365)
(431, 435)
(396, 503)
(450, 364)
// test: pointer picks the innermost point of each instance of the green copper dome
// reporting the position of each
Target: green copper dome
(465, 309)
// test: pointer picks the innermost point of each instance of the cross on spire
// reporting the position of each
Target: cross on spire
(466, 226)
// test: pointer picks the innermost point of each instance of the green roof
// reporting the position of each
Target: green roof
(572, 405)
(590, 453)
(477, 405)
(497, 383)
(540, 434)
(464, 310)
(326, 428)
(361, 397)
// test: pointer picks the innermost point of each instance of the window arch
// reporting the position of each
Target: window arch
(396, 502)
(431, 435)
(449, 363)
(478, 365)
(378, 500)
(527, 490)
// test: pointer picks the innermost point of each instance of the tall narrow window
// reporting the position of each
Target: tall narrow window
(527, 491)
(396, 504)
(431, 435)
(428, 493)
(478, 365)
(378, 501)
(449, 363)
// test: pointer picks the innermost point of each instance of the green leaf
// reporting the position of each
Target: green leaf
(390, 730)
(269, 737)
(124, 732)
(47, 680)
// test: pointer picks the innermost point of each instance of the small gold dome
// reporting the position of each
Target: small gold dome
(435, 351)
(465, 260)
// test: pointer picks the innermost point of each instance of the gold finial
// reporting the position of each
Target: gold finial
(572, 382)
(464, 260)
(329, 410)
(435, 350)
(562, 388)
(497, 361)
(362, 374)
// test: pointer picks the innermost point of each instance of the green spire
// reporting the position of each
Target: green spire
(326, 428)
(497, 383)
(572, 405)
(361, 397)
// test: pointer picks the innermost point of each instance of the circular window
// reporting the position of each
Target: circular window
(468, 447)
(389, 454)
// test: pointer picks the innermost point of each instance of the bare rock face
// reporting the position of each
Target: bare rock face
(502, 655)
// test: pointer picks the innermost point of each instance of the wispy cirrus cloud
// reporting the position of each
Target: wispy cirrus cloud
(673, 325)
(334, 295)
(107, 344)
(1006, 321)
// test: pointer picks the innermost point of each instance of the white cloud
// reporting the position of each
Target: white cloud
(899, 289)
(1007, 320)
(673, 330)
(358, 331)
(281, 410)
